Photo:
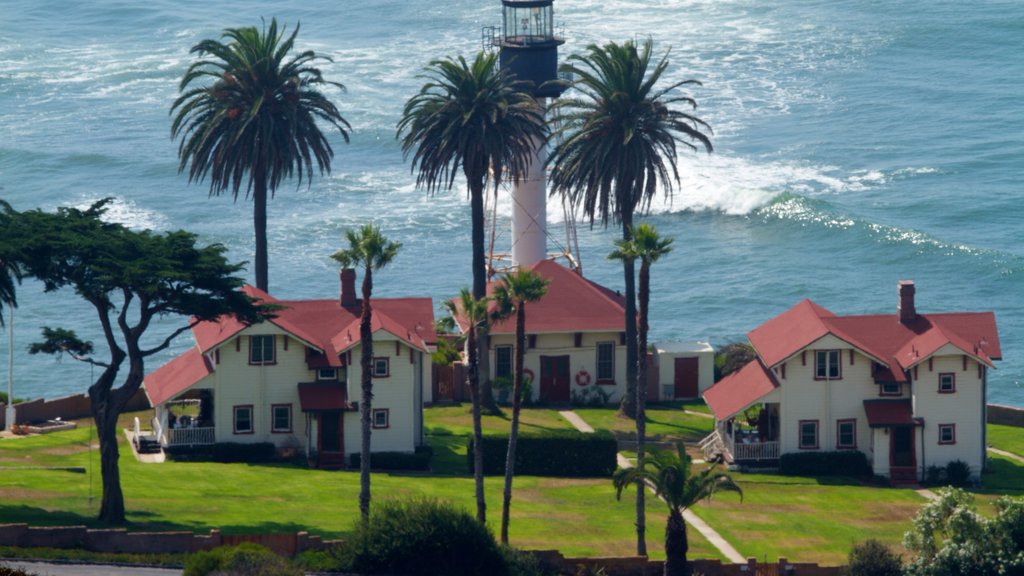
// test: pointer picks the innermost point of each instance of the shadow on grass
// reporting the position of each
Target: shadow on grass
(449, 457)
(1003, 476)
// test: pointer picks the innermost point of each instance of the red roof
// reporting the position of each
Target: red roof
(572, 304)
(740, 389)
(322, 396)
(885, 413)
(324, 325)
(897, 346)
(176, 376)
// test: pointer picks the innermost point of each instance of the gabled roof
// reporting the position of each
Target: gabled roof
(176, 376)
(740, 389)
(896, 345)
(572, 304)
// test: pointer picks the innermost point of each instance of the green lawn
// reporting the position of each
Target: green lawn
(580, 517)
(1008, 438)
(666, 422)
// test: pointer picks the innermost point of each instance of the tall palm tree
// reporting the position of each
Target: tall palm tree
(616, 145)
(10, 273)
(368, 248)
(647, 246)
(474, 312)
(673, 480)
(247, 117)
(477, 118)
(515, 291)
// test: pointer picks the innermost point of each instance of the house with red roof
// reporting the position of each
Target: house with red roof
(294, 379)
(906, 389)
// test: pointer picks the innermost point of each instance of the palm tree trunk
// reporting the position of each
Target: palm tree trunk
(641, 406)
(476, 202)
(366, 362)
(628, 405)
(676, 545)
(517, 404)
(473, 379)
(259, 219)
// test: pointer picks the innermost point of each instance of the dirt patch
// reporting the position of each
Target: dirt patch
(24, 494)
(65, 450)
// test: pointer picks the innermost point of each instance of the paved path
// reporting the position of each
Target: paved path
(1009, 455)
(576, 421)
(48, 569)
(704, 414)
(708, 532)
(927, 494)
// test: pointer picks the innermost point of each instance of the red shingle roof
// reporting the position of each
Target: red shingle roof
(176, 376)
(572, 304)
(740, 389)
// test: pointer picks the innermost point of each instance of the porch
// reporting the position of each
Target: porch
(187, 421)
(751, 437)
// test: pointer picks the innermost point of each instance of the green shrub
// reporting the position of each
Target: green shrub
(422, 536)
(872, 558)
(225, 453)
(958, 474)
(556, 453)
(933, 475)
(7, 571)
(418, 460)
(520, 563)
(843, 463)
(246, 559)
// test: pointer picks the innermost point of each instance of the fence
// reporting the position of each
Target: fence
(449, 383)
(1006, 415)
(554, 561)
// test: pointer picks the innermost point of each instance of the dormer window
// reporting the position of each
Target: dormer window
(327, 374)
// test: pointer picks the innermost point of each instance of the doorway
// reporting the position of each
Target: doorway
(554, 378)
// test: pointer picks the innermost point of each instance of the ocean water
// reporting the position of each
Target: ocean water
(856, 144)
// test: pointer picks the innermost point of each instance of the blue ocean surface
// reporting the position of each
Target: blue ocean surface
(856, 144)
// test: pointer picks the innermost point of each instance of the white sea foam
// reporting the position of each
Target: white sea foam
(128, 213)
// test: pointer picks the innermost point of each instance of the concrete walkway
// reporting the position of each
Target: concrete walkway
(1009, 455)
(576, 421)
(704, 414)
(708, 532)
(927, 494)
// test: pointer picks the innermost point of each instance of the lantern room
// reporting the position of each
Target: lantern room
(529, 47)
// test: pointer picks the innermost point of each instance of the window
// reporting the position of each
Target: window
(261, 349)
(503, 361)
(381, 367)
(947, 433)
(605, 362)
(381, 418)
(808, 434)
(281, 418)
(846, 434)
(827, 365)
(243, 419)
(327, 374)
(947, 383)
(890, 389)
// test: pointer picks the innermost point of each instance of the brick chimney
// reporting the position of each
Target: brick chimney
(905, 308)
(348, 287)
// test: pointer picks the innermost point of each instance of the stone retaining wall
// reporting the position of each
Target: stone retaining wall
(119, 540)
(70, 407)
(553, 560)
(1006, 415)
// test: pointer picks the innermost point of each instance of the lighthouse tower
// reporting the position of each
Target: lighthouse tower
(529, 51)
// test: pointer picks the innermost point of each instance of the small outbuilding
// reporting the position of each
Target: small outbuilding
(684, 369)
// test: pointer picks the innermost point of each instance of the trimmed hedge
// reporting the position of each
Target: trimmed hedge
(556, 453)
(418, 460)
(225, 453)
(844, 463)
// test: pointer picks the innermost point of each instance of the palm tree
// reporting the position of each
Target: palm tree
(371, 250)
(477, 118)
(516, 289)
(474, 312)
(10, 273)
(671, 477)
(616, 145)
(647, 246)
(255, 122)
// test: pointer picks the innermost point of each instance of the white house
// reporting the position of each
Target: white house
(294, 380)
(907, 389)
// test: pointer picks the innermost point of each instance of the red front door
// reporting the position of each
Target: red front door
(687, 377)
(902, 455)
(554, 378)
(331, 439)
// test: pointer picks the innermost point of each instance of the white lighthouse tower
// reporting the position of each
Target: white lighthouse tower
(529, 51)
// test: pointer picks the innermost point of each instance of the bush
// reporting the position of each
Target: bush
(593, 396)
(556, 453)
(225, 453)
(247, 559)
(844, 463)
(958, 474)
(7, 571)
(872, 558)
(933, 475)
(418, 460)
(422, 536)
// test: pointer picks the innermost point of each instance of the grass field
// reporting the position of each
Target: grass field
(1008, 438)
(666, 422)
(577, 516)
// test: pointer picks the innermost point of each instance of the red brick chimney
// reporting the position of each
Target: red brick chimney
(348, 287)
(905, 308)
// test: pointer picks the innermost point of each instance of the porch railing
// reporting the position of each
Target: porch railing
(754, 451)
(189, 436)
